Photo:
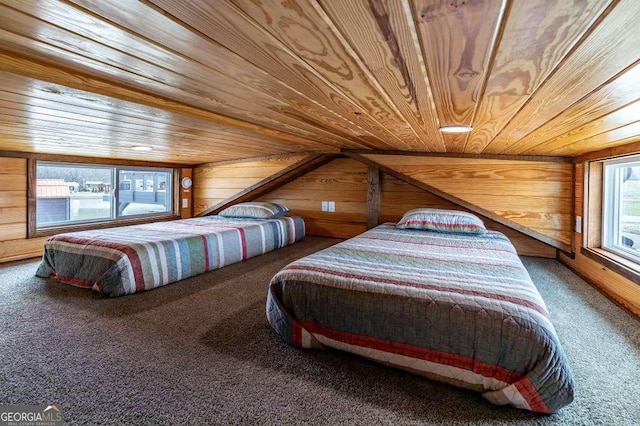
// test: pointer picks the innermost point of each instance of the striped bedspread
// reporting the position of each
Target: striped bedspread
(119, 261)
(456, 308)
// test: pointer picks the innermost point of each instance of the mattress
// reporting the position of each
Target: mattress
(456, 308)
(130, 259)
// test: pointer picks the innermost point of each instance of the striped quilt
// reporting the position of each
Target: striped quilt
(456, 308)
(129, 259)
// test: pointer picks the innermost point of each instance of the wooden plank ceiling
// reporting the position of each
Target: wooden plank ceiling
(204, 81)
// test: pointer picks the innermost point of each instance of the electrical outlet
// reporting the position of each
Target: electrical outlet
(325, 206)
(185, 203)
(332, 206)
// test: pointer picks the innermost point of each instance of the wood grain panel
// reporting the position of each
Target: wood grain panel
(244, 36)
(13, 199)
(13, 212)
(537, 36)
(306, 165)
(578, 137)
(177, 78)
(399, 197)
(304, 28)
(177, 37)
(534, 195)
(609, 282)
(621, 136)
(204, 81)
(236, 88)
(349, 219)
(579, 189)
(373, 197)
(458, 38)
(605, 53)
(611, 105)
(28, 96)
(21, 249)
(595, 176)
(382, 33)
(218, 125)
(213, 184)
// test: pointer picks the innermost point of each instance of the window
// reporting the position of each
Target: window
(621, 208)
(69, 194)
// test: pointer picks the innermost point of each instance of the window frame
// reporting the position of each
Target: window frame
(33, 231)
(117, 189)
(612, 208)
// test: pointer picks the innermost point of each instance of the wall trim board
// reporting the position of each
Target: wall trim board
(608, 294)
(541, 158)
(272, 182)
(260, 158)
(60, 158)
(479, 210)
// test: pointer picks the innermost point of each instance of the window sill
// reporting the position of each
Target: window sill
(618, 264)
(47, 232)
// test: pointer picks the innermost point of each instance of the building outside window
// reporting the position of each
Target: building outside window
(75, 193)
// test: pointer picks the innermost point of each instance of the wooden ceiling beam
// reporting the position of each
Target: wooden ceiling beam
(272, 182)
(462, 203)
(545, 158)
(258, 158)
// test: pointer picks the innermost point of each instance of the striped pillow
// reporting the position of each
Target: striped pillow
(255, 210)
(453, 221)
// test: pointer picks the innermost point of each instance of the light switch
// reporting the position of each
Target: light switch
(332, 206)
(579, 224)
(325, 206)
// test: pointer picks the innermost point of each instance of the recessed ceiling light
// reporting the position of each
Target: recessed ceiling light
(456, 129)
(141, 148)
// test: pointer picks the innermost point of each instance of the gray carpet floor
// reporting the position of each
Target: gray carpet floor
(201, 352)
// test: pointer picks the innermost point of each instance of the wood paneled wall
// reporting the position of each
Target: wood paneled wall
(13, 212)
(343, 181)
(399, 197)
(533, 194)
(624, 291)
(214, 183)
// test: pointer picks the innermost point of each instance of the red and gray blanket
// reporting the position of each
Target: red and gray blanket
(456, 308)
(129, 259)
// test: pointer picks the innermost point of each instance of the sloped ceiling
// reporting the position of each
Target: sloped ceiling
(203, 81)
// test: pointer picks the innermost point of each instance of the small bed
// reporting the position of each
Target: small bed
(436, 295)
(130, 259)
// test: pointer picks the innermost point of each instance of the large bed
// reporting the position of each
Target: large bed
(119, 261)
(454, 307)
